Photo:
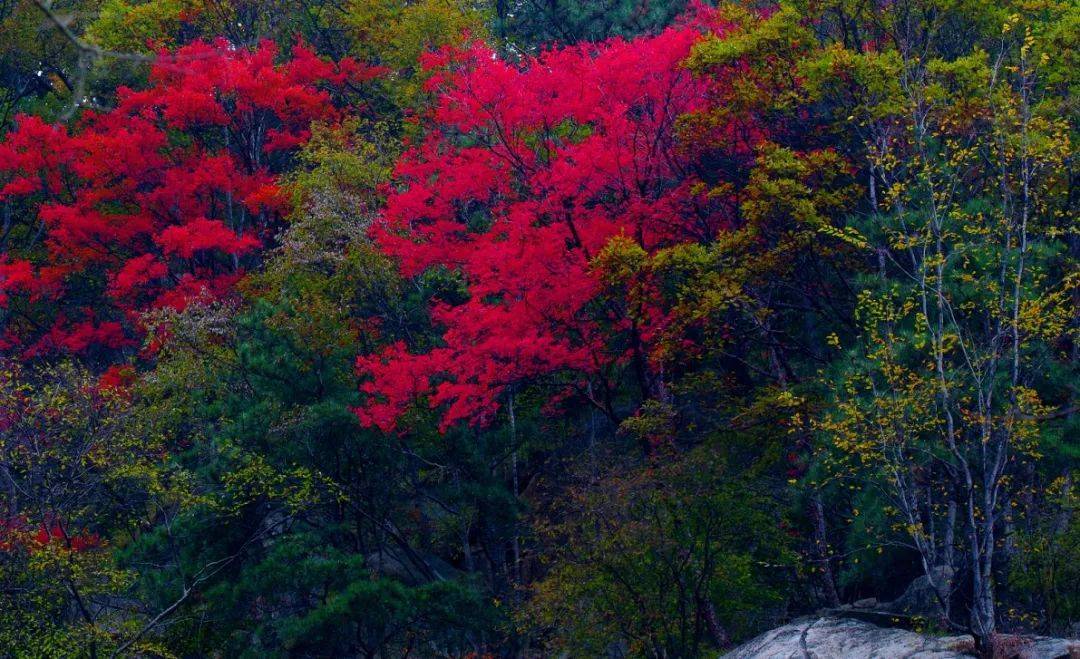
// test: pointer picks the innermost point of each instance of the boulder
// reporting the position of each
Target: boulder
(848, 638)
(409, 571)
(919, 599)
(1038, 647)
(845, 638)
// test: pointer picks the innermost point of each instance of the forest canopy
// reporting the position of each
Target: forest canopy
(523, 328)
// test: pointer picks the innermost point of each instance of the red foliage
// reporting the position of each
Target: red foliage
(528, 172)
(16, 532)
(159, 200)
(117, 378)
(76, 542)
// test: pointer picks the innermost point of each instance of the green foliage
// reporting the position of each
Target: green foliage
(535, 24)
(1045, 572)
(662, 560)
(396, 34)
(36, 61)
(83, 475)
(141, 27)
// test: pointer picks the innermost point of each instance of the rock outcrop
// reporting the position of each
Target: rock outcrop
(847, 638)
(920, 598)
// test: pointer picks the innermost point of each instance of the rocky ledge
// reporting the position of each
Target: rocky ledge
(844, 638)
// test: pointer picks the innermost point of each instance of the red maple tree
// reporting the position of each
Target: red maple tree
(528, 171)
(156, 202)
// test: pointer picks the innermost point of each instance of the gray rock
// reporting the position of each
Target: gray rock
(919, 599)
(408, 570)
(1045, 647)
(1036, 647)
(847, 638)
(844, 638)
(868, 603)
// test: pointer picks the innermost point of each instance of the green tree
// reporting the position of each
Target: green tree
(954, 383)
(82, 477)
(663, 559)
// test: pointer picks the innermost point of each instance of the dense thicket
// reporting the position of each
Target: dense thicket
(452, 328)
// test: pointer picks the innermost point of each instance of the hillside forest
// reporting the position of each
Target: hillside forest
(528, 328)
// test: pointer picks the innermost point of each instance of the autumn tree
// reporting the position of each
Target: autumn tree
(959, 374)
(498, 194)
(156, 202)
(81, 474)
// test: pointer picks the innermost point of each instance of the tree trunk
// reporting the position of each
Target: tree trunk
(821, 550)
